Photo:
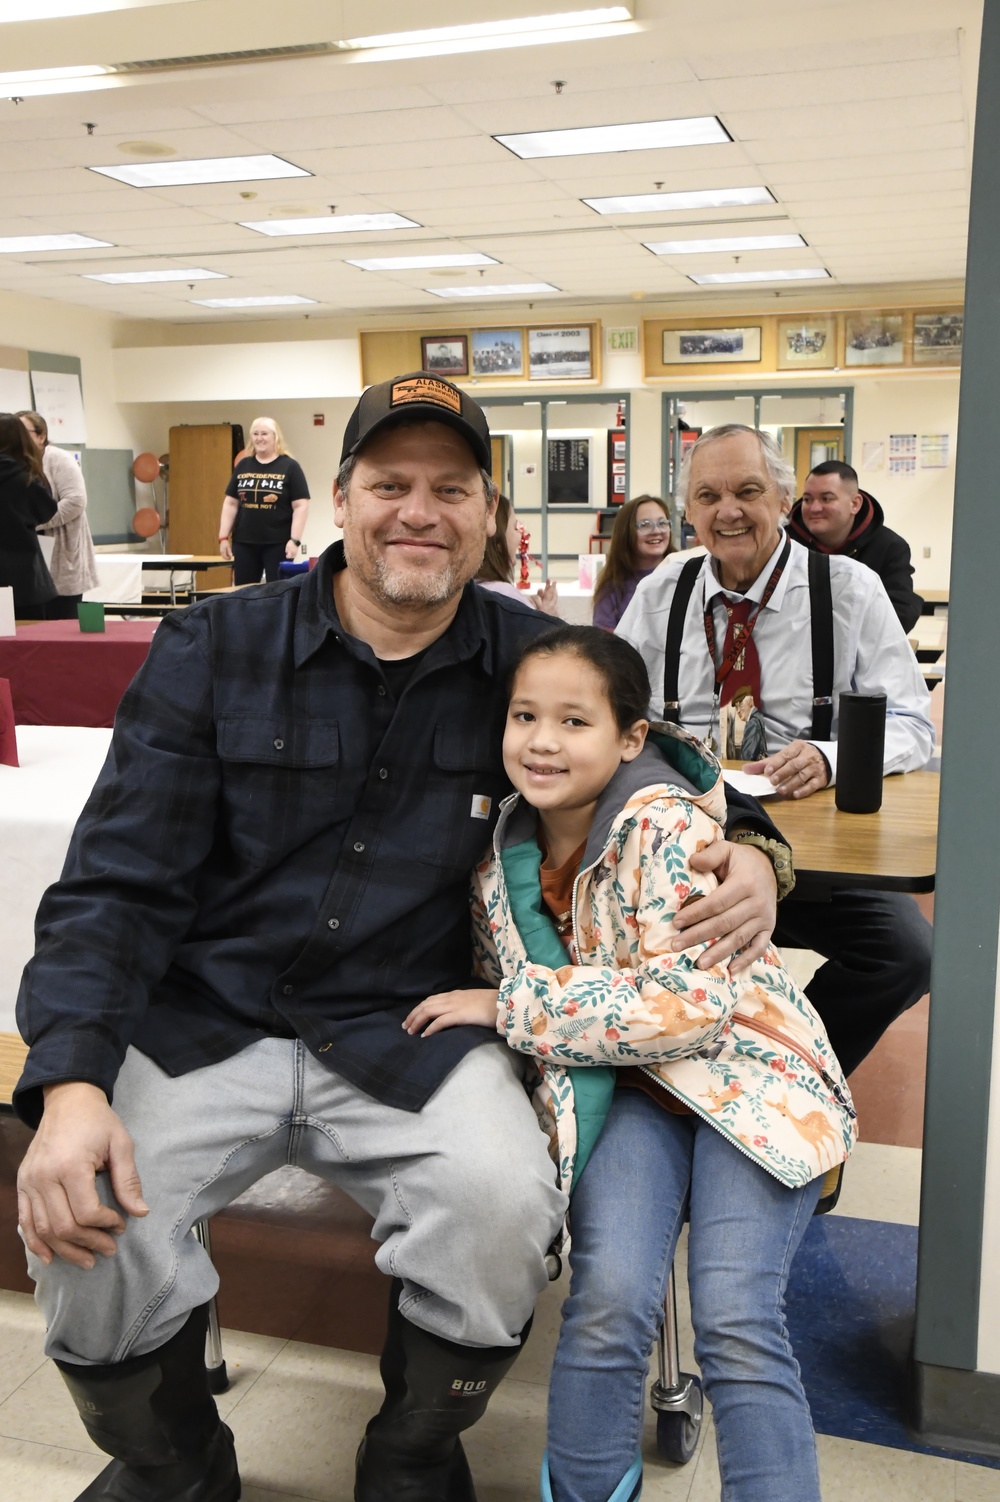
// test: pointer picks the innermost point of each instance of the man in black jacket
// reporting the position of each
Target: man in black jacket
(835, 516)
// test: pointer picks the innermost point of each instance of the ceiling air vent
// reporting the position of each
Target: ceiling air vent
(221, 59)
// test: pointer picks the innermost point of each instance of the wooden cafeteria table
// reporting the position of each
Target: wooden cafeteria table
(932, 598)
(60, 675)
(894, 850)
(12, 1056)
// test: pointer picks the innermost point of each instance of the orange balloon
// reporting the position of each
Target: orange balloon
(146, 522)
(146, 468)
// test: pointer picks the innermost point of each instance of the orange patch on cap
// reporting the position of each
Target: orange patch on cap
(426, 389)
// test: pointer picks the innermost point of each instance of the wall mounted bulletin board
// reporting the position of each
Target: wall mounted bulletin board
(763, 343)
(497, 354)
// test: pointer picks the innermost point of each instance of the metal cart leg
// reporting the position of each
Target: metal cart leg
(676, 1395)
(215, 1362)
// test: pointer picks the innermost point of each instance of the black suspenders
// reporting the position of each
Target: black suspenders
(821, 625)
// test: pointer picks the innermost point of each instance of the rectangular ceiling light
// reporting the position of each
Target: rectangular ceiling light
(250, 302)
(423, 263)
(720, 278)
(330, 224)
(129, 278)
(702, 198)
(731, 242)
(209, 169)
(48, 80)
(486, 36)
(646, 135)
(520, 289)
(13, 244)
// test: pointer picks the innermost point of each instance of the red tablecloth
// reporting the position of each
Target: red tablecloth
(60, 675)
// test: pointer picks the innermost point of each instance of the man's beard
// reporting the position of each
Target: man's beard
(408, 587)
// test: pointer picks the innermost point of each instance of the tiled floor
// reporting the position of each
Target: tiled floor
(297, 1408)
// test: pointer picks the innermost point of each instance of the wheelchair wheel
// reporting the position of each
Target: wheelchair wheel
(677, 1430)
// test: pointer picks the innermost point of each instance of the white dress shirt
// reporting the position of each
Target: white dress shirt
(871, 653)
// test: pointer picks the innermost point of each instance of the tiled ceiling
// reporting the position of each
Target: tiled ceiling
(857, 117)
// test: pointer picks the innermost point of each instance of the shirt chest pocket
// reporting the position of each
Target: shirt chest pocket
(282, 784)
(458, 808)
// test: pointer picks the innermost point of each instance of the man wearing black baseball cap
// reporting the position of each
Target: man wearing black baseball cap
(271, 873)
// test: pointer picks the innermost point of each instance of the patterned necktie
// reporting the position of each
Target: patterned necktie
(745, 672)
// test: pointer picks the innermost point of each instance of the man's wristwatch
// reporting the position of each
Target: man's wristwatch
(777, 853)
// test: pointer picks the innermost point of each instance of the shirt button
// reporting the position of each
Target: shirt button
(359, 845)
(287, 990)
(333, 922)
(279, 744)
(383, 772)
(381, 690)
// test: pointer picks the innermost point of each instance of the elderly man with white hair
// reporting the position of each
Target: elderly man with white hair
(761, 616)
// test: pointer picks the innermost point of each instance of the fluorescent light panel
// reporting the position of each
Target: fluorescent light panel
(15, 244)
(210, 169)
(50, 75)
(703, 198)
(648, 135)
(521, 289)
(250, 302)
(732, 242)
(130, 278)
(494, 28)
(422, 263)
(721, 278)
(330, 224)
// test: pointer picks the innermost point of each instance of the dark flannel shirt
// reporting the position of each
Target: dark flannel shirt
(277, 847)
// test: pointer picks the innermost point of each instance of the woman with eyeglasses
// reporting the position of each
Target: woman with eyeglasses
(73, 567)
(640, 540)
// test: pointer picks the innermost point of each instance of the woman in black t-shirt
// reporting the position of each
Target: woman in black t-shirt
(265, 509)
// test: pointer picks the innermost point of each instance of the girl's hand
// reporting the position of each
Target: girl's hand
(547, 598)
(292, 549)
(226, 549)
(453, 1009)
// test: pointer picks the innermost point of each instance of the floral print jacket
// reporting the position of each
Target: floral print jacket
(746, 1053)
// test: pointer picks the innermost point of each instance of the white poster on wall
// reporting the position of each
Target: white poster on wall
(60, 401)
(15, 391)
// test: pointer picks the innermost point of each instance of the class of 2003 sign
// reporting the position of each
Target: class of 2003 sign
(561, 354)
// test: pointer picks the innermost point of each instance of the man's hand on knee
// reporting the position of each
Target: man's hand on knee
(738, 918)
(59, 1210)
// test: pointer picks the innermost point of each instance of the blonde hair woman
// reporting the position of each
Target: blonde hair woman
(266, 506)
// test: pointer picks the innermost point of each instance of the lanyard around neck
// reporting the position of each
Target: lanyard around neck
(740, 638)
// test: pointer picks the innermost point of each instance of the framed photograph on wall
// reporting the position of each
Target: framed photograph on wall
(937, 338)
(711, 346)
(497, 352)
(808, 343)
(873, 339)
(445, 354)
(561, 354)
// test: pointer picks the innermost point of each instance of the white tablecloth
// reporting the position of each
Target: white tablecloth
(119, 579)
(576, 605)
(40, 802)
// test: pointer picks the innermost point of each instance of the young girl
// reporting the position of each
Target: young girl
(727, 1102)
(640, 540)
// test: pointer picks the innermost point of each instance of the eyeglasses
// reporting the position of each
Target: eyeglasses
(663, 526)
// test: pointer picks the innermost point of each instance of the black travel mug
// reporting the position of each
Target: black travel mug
(860, 751)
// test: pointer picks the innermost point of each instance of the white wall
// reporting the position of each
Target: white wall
(59, 329)
(917, 506)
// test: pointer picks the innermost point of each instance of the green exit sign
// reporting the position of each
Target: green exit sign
(623, 339)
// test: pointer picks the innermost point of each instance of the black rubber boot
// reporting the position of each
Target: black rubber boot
(156, 1416)
(434, 1389)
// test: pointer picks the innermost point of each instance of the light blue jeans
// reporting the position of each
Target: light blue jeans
(626, 1215)
(463, 1193)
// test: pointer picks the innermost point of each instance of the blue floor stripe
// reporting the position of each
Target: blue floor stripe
(851, 1301)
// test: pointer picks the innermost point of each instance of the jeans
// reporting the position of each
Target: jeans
(647, 1168)
(463, 1194)
(251, 559)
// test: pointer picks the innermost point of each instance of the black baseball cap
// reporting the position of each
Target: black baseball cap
(418, 394)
